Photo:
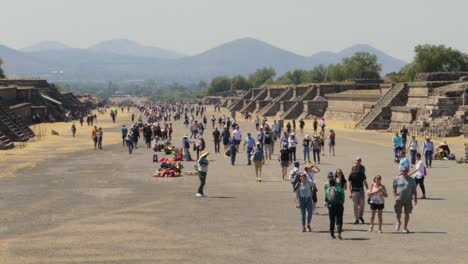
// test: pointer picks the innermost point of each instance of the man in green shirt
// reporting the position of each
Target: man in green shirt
(334, 200)
(202, 169)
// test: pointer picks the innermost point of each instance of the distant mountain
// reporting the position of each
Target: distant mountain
(16, 63)
(122, 60)
(389, 63)
(132, 48)
(46, 45)
(243, 56)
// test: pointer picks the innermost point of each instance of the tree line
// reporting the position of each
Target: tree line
(362, 65)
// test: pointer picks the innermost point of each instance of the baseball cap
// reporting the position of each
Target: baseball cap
(296, 163)
(358, 158)
(330, 175)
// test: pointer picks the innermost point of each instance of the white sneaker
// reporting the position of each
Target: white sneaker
(397, 227)
(315, 212)
(406, 231)
(199, 195)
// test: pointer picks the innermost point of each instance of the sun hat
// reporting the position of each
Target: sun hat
(358, 158)
(204, 154)
(186, 136)
(308, 165)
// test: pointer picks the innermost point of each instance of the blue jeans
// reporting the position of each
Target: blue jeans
(130, 147)
(413, 156)
(305, 204)
(186, 154)
(428, 156)
(306, 154)
(249, 150)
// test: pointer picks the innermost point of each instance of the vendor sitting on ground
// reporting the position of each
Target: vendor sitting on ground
(443, 150)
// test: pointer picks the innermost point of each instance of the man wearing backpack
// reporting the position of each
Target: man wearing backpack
(334, 200)
(294, 175)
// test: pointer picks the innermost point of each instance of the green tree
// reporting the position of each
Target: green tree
(318, 74)
(262, 76)
(239, 82)
(2, 74)
(435, 58)
(362, 65)
(219, 84)
(335, 73)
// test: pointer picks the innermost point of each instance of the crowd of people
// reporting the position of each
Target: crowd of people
(153, 124)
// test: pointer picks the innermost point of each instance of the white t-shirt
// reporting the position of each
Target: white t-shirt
(292, 142)
(236, 134)
(419, 170)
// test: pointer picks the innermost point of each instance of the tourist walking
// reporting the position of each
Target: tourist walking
(283, 158)
(73, 129)
(310, 171)
(420, 174)
(357, 182)
(428, 150)
(226, 136)
(268, 143)
(334, 201)
(249, 143)
(404, 162)
(397, 143)
(316, 149)
(305, 148)
(258, 159)
(124, 132)
(404, 135)
(202, 170)
(377, 193)
(99, 135)
(294, 175)
(331, 142)
(304, 201)
(129, 141)
(315, 124)
(413, 149)
(232, 151)
(301, 126)
(292, 143)
(186, 147)
(404, 190)
(216, 139)
(94, 137)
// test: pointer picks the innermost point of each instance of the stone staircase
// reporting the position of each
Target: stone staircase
(250, 107)
(17, 119)
(387, 100)
(5, 142)
(296, 110)
(283, 96)
(12, 128)
(238, 104)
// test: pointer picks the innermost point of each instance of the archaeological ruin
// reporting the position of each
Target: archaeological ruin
(25, 101)
(434, 101)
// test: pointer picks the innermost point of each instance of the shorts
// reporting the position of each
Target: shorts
(379, 207)
(258, 164)
(331, 143)
(399, 204)
(237, 142)
(285, 163)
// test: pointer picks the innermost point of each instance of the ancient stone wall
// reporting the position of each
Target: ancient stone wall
(7, 95)
(439, 76)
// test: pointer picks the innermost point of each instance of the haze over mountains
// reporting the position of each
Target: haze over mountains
(121, 60)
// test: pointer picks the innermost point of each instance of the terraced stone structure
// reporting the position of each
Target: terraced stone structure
(436, 101)
(20, 99)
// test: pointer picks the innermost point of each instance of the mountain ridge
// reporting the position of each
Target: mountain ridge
(240, 56)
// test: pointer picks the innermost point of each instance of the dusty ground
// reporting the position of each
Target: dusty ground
(72, 204)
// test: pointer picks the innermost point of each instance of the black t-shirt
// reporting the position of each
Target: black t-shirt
(356, 180)
(284, 154)
(216, 135)
(267, 138)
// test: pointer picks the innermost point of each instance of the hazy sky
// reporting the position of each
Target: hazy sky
(192, 26)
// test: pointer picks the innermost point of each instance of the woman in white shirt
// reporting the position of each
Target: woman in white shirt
(420, 174)
(377, 194)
